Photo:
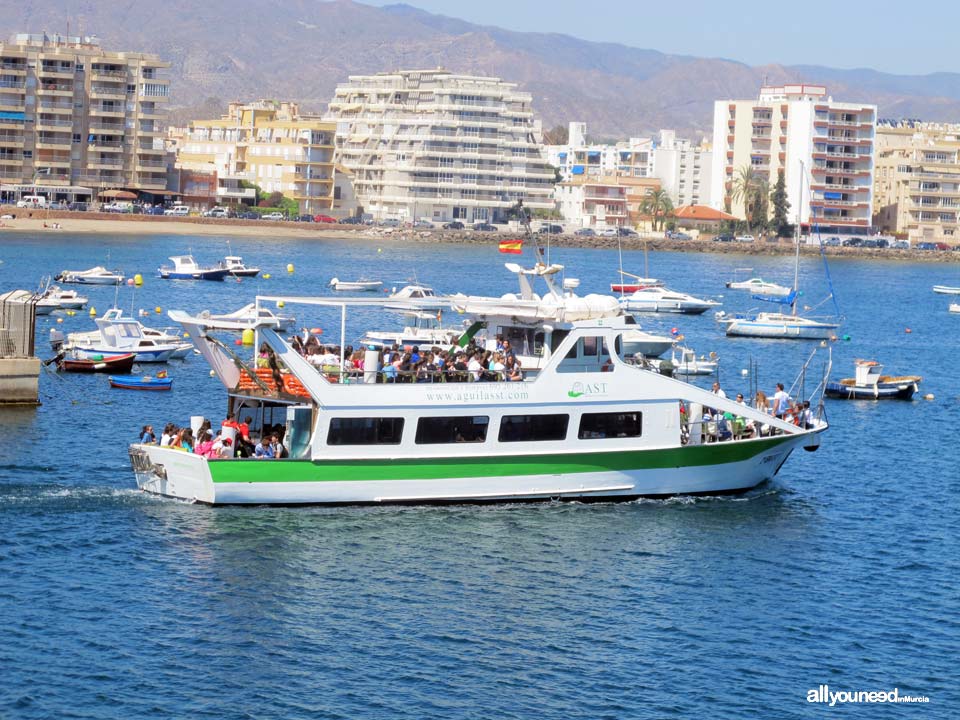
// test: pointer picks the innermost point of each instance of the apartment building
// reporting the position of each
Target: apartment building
(683, 168)
(435, 144)
(823, 148)
(579, 158)
(76, 119)
(603, 202)
(917, 180)
(267, 144)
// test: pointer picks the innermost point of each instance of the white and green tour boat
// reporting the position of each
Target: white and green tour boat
(584, 425)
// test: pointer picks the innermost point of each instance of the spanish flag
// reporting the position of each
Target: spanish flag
(511, 247)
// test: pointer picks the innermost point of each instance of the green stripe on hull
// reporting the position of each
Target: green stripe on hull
(264, 471)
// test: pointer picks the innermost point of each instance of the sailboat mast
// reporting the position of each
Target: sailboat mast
(796, 242)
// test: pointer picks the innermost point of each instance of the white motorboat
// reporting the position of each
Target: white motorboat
(588, 426)
(57, 297)
(94, 276)
(946, 290)
(419, 296)
(249, 316)
(639, 342)
(355, 285)
(660, 299)
(234, 265)
(425, 332)
(686, 362)
(759, 286)
(116, 334)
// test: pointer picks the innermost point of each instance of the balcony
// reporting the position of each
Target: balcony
(52, 123)
(53, 89)
(55, 107)
(65, 72)
(106, 91)
(107, 128)
(11, 105)
(53, 162)
(16, 85)
(14, 67)
(11, 140)
(108, 73)
(109, 145)
(104, 162)
(54, 141)
(107, 111)
(147, 164)
(151, 182)
(8, 174)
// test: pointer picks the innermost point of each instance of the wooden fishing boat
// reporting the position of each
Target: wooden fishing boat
(870, 384)
(108, 363)
(142, 383)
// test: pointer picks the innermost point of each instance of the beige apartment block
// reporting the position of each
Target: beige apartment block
(438, 145)
(917, 182)
(824, 149)
(266, 143)
(76, 119)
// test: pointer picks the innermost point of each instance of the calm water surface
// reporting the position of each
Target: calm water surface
(843, 571)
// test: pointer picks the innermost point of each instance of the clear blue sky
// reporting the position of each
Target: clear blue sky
(903, 38)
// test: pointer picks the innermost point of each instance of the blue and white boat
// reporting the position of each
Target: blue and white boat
(186, 268)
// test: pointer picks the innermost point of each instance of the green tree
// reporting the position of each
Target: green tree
(781, 207)
(745, 190)
(658, 206)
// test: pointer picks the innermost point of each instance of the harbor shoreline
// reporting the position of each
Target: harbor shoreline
(59, 222)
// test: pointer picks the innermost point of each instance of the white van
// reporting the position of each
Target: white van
(178, 210)
(32, 201)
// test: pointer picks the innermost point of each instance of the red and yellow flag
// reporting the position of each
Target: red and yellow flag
(511, 247)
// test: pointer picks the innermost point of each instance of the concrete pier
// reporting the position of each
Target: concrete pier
(19, 381)
(19, 368)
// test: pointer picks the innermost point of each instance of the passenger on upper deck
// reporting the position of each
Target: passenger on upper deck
(264, 450)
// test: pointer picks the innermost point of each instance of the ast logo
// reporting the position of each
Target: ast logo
(580, 389)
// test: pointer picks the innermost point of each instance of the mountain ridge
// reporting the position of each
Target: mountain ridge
(299, 50)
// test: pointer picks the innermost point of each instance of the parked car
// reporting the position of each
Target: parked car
(900, 245)
(32, 201)
(455, 225)
(423, 223)
(585, 232)
(832, 241)
(926, 246)
(304, 218)
(176, 210)
(484, 227)
(941, 246)
(217, 212)
(154, 210)
(550, 229)
(607, 232)
(274, 216)
(744, 238)
(249, 215)
(627, 232)
(870, 243)
(324, 219)
(853, 242)
(677, 235)
(77, 206)
(352, 220)
(389, 222)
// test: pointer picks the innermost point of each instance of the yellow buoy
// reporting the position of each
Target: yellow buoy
(266, 276)
(280, 303)
(138, 279)
(289, 267)
(157, 310)
(186, 335)
(71, 313)
(93, 312)
(247, 337)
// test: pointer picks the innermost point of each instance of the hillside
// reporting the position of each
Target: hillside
(299, 49)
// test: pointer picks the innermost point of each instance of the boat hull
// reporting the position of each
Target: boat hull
(946, 290)
(667, 306)
(712, 469)
(781, 331)
(113, 363)
(142, 356)
(883, 391)
(152, 384)
(216, 275)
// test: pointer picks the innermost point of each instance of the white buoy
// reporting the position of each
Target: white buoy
(744, 372)
(928, 396)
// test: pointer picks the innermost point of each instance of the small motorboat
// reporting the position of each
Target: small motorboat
(687, 362)
(660, 299)
(248, 316)
(105, 363)
(234, 264)
(186, 268)
(759, 286)
(954, 308)
(630, 283)
(55, 297)
(356, 286)
(946, 290)
(869, 384)
(147, 382)
(94, 276)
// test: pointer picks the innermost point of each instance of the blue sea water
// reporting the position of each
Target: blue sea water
(843, 571)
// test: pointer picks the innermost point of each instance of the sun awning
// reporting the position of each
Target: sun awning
(119, 194)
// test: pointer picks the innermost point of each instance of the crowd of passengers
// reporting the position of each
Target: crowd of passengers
(717, 425)
(231, 440)
(408, 364)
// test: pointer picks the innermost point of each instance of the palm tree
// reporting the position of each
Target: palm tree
(745, 189)
(658, 205)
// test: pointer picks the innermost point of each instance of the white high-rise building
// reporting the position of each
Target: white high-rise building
(684, 169)
(824, 149)
(435, 144)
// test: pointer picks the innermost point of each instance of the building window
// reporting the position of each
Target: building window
(365, 431)
(443, 430)
(533, 428)
(595, 426)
